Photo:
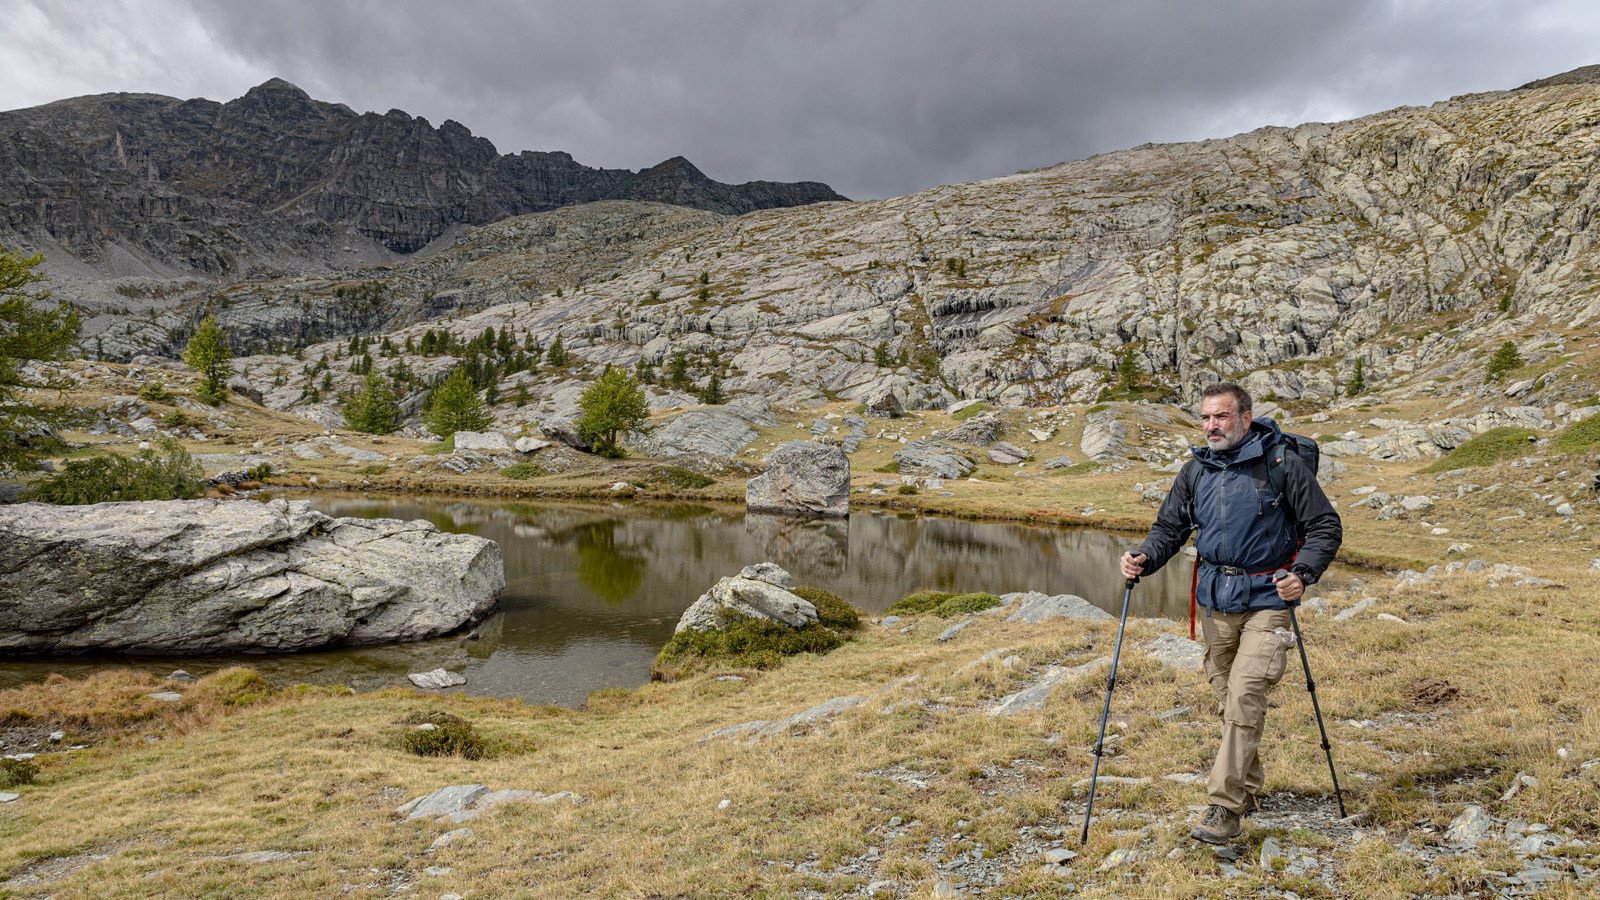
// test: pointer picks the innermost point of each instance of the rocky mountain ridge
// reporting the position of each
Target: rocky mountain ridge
(277, 182)
(1411, 241)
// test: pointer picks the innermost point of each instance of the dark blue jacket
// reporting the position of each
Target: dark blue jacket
(1244, 525)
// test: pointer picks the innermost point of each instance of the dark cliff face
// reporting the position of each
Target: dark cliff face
(203, 185)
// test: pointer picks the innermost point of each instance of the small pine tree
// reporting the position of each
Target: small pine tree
(712, 393)
(1358, 379)
(880, 356)
(28, 332)
(373, 410)
(1504, 360)
(209, 354)
(557, 354)
(611, 406)
(705, 277)
(644, 372)
(678, 370)
(455, 406)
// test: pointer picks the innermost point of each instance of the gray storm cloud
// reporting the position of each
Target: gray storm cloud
(875, 98)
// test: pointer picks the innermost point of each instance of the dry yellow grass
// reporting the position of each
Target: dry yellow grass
(319, 772)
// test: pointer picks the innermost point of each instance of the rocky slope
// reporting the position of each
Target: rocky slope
(198, 185)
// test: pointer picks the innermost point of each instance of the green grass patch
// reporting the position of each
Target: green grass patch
(967, 412)
(906, 489)
(522, 470)
(942, 604)
(448, 736)
(742, 642)
(1580, 437)
(833, 611)
(1494, 445)
(374, 469)
(1098, 407)
(892, 467)
(448, 445)
(16, 771)
(683, 479)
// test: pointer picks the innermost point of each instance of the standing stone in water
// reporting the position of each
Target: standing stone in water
(802, 478)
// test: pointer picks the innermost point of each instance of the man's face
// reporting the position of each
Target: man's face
(1223, 424)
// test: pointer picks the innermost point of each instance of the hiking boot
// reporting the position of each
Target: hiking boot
(1218, 826)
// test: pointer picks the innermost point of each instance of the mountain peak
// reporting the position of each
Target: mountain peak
(676, 167)
(1581, 75)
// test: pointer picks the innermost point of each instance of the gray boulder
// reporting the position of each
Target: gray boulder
(483, 441)
(1105, 437)
(884, 405)
(1036, 607)
(758, 597)
(979, 431)
(1008, 454)
(193, 576)
(707, 432)
(925, 457)
(563, 430)
(804, 478)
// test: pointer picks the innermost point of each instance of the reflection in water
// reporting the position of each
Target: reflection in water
(612, 571)
(593, 591)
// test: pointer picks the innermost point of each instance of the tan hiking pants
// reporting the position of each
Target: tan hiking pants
(1245, 657)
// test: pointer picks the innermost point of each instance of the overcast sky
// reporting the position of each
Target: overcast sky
(875, 97)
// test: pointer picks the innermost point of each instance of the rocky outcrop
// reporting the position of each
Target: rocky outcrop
(702, 432)
(802, 478)
(201, 576)
(757, 592)
(925, 457)
(160, 176)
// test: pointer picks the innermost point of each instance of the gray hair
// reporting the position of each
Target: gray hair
(1227, 387)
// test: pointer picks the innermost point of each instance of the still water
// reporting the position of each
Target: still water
(593, 591)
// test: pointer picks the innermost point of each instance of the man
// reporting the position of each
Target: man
(1247, 536)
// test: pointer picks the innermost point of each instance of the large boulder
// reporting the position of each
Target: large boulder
(758, 592)
(802, 478)
(201, 576)
(980, 430)
(483, 441)
(925, 457)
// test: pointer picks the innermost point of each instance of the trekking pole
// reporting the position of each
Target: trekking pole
(1316, 707)
(1111, 685)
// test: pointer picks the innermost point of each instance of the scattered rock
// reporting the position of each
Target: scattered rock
(753, 597)
(1470, 827)
(802, 477)
(1037, 607)
(1174, 651)
(1059, 462)
(950, 633)
(1361, 606)
(1008, 454)
(436, 679)
(800, 721)
(925, 457)
(1033, 697)
(166, 696)
(484, 442)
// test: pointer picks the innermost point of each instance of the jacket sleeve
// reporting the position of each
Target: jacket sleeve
(1172, 528)
(1317, 517)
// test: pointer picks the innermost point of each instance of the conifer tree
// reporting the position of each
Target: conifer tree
(455, 406)
(1358, 379)
(614, 404)
(373, 410)
(1504, 360)
(28, 332)
(209, 354)
(557, 354)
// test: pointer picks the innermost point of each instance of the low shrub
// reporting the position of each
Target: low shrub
(892, 467)
(16, 771)
(742, 642)
(941, 603)
(1494, 445)
(1580, 437)
(155, 392)
(906, 489)
(163, 472)
(179, 419)
(448, 736)
(374, 469)
(684, 479)
(234, 686)
(832, 610)
(967, 412)
(522, 470)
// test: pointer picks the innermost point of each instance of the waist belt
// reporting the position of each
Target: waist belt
(1194, 582)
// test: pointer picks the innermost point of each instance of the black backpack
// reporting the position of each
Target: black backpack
(1277, 478)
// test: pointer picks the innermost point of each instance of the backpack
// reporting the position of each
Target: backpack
(1277, 478)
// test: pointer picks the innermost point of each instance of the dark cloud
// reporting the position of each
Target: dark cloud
(875, 98)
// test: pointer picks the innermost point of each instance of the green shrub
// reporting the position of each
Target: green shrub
(260, 472)
(374, 469)
(967, 412)
(742, 642)
(906, 489)
(522, 470)
(449, 736)
(892, 467)
(941, 603)
(163, 472)
(683, 479)
(179, 419)
(1580, 436)
(832, 610)
(1504, 360)
(155, 392)
(1486, 449)
(16, 771)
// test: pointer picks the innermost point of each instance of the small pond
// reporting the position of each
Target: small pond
(593, 590)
